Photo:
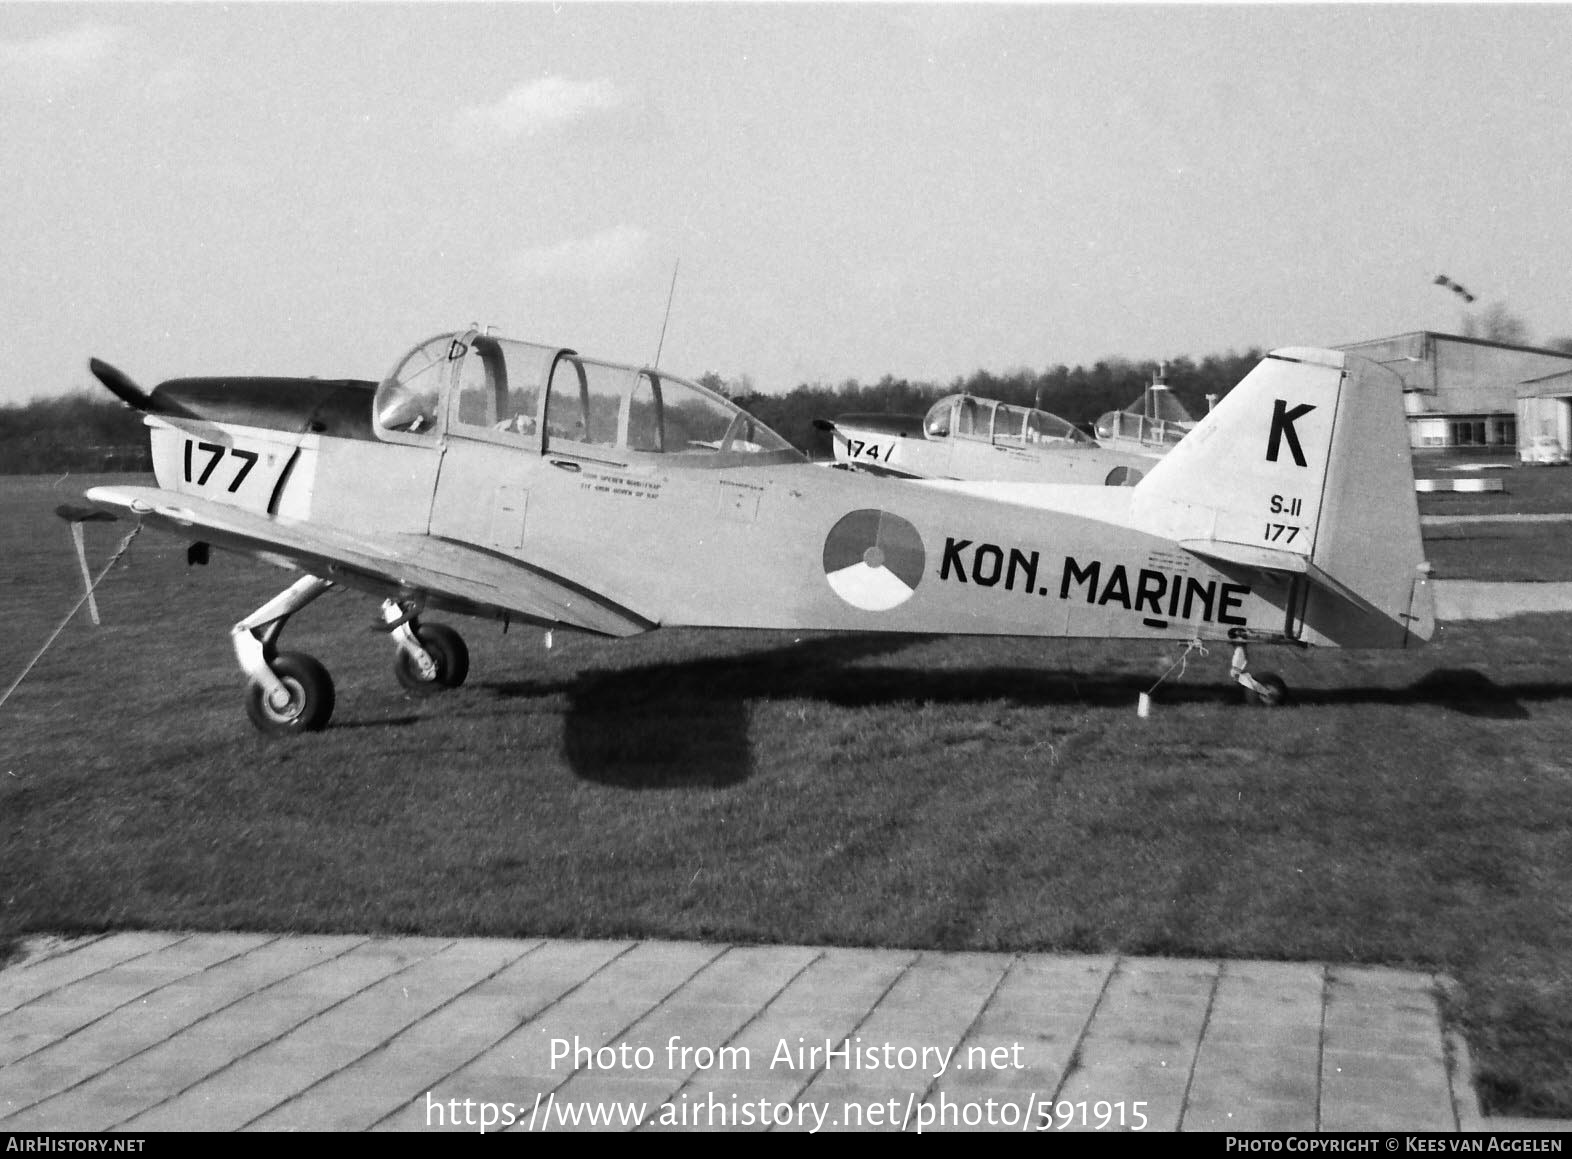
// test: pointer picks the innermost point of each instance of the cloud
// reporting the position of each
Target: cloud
(615, 253)
(940, 28)
(61, 59)
(172, 83)
(538, 107)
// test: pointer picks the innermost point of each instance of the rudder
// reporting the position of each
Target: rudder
(1304, 468)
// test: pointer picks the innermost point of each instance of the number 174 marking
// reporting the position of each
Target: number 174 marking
(863, 450)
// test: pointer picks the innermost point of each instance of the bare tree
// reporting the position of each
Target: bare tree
(1496, 323)
(715, 382)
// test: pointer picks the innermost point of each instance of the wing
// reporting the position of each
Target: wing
(449, 575)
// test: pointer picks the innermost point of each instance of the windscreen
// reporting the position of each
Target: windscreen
(408, 399)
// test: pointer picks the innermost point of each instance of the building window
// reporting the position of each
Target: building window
(1469, 433)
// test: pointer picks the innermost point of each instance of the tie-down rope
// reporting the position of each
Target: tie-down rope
(87, 595)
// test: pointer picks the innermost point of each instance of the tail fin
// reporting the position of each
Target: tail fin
(1304, 469)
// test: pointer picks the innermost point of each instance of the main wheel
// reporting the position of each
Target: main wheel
(1275, 694)
(447, 651)
(310, 702)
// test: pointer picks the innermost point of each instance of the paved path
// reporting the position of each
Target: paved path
(1450, 520)
(165, 1031)
(1480, 600)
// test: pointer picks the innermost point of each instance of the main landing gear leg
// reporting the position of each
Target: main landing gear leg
(431, 657)
(289, 692)
(1267, 689)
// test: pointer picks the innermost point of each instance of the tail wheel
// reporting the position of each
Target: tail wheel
(310, 702)
(447, 651)
(1275, 693)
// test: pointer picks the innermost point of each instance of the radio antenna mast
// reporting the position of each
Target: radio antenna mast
(662, 343)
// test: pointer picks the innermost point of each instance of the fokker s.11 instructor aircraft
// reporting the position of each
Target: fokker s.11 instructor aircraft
(524, 482)
(966, 437)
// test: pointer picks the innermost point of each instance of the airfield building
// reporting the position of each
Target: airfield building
(1469, 393)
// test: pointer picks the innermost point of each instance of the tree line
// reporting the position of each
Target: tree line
(86, 432)
(76, 432)
(1079, 395)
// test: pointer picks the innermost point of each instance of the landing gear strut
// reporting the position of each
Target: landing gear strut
(289, 692)
(431, 657)
(1267, 689)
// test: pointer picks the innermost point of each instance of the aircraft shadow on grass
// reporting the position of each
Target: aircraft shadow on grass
(685, 724)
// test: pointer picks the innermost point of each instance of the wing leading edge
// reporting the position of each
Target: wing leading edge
(450, 575)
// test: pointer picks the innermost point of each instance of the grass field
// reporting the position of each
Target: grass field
(1506, 552)
(1412, 809)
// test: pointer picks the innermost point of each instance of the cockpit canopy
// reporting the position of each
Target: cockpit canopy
(966, 416)
(1157, 418)
(473, 385)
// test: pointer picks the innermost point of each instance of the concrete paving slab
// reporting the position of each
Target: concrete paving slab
(186, 1057)
(596, 1102)
(1246, 1075)
(23, 982)
(454, 1108)
(1230, 1114)
(1008, 1110)
(288, 1068)
(1042, 984)
(169, 1031)
(69, 1009)
(747, 976)
(985, 1065)
(130, 1030)
(412, 1060)
(842, 979)
(790, 1044)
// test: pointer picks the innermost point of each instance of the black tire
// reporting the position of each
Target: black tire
(1276, 694)
(310, 697)
(447, 650)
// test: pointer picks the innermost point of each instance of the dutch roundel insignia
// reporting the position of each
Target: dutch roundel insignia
(874, 560)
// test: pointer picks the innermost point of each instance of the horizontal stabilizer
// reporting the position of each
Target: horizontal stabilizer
(1247, 555)
(1272, 559)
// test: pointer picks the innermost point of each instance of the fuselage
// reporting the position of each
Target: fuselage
(677, 508)
(966, 437)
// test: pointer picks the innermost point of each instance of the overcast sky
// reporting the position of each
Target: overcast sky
(851, 191)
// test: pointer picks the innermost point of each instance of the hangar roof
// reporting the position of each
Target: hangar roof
(1452, 374)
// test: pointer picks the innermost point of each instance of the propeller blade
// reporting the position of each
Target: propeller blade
(120, 385)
